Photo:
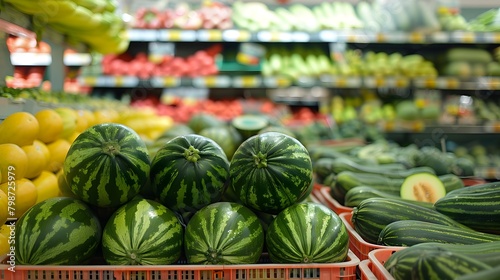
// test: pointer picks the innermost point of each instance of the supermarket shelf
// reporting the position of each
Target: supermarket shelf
(255, 81)
(77, 59)
(454, 83)
(17, 23)
(419, 127)
(349, 36)
(30, 59)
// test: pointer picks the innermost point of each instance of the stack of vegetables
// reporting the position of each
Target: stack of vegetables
(208, 199)
(470, 62)
(414, 198)
(95, 23)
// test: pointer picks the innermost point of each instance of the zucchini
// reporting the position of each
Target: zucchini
(400, 263)
(347, 180)
(390, 170)
(329, 180)
(477, 207)
(319, 152)
(451, 182)
(412, 232)
(357, 194)
(443, 265)
(487, 274)
(372, 215)
(481, 188)
(434, 158)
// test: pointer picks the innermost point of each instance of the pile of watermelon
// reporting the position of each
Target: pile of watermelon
(197, 199)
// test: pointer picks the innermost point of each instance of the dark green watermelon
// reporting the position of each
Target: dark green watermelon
(107, 165)
(271, 171)
(224, 233)
(57, 231)
(202, 120)
(189, 172)
(142, 232)
(222, 136)
(307, 233)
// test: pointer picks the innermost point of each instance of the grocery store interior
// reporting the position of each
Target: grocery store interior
(304, 113)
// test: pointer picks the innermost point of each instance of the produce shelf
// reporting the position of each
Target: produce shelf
(326, 36)
(454, 83)
(30, 59)
(257, 81)
(270, 271)
(489, 128)
(77, 59)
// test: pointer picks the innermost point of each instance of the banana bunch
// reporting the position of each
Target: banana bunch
(92, 22)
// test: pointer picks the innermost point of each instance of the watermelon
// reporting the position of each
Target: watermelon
(107, 165)
(276, 128)
(222, 136)
(271, 171)
(249, 125)
(57, 231)
(223, 233)
(307, 233)
(202, 120)
(172, 132)
(189, 172)
(142, 232)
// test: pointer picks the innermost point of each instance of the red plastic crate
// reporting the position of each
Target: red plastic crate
(266, 271)
(377, 258)
(357, 245)
(333, 204)
(365, 270)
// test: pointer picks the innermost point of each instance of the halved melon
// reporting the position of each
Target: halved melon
(423, 187)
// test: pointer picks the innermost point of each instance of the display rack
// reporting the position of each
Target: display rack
(324, 36)
(16, 23)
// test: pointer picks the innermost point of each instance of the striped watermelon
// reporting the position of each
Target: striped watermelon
(142, 232)
(107, 165)
(57, 231)
(271, 171)
(189, 172)
(307, 233)
(223, 233)
(222, 136)
(202, 120)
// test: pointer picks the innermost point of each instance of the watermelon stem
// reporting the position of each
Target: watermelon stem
(111, 148)
(260, 160)
(212, 256)
(192, 154)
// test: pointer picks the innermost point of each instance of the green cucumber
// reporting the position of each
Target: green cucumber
(392, 170)
(328, 180)
(347, 180)
(477, 207)
(442, 265)
(319, 152)
(487, 274)
(412, 232)
(451, 182)
(492, 186)
(372, 215)
(326, 166)
(357, 194)
(400, 263)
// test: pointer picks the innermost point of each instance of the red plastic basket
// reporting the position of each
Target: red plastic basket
(357, 245)
(365, 270)
(266, 271)
(377, 258)
(329, 201)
